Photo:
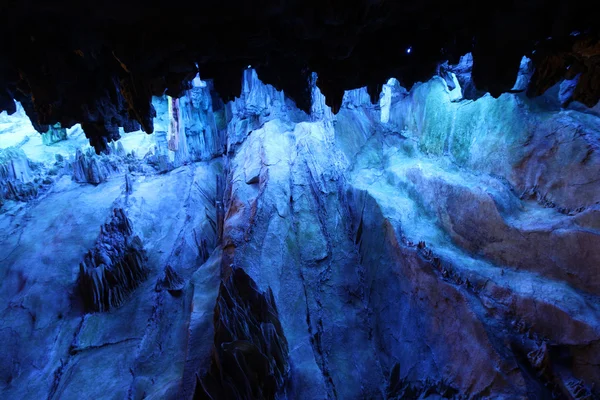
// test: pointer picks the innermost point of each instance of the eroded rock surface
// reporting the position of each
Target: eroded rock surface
(16, 176)
(250, 355)
(115, 267)
(424, 245)
(171, 281)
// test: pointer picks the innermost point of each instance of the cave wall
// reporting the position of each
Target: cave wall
(427, 243)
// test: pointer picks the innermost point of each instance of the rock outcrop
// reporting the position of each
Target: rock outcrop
(91, 168)
(114, 267)
(412, 231)
(188, 129)
(203, 125)
(88, 168)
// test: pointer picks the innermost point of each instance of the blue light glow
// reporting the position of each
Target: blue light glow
(408, 50)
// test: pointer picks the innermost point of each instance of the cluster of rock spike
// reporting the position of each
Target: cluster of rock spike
(250, 352)
(114, 267)
(170, 281)
(76, 62)
(16, 177)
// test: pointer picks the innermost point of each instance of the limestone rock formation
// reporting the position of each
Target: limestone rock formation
(88, 168)
(402, 389)
(171, 281)
(16, 176)
(91, 168)
(188, 129)
(204, 133)
(250, 354)
(424, 242)
(436, 216)
(55, 134)
(114, 267)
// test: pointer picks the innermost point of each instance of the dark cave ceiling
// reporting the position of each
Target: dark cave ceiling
(100, 63)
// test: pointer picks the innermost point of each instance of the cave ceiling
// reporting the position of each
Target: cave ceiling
(100, 63)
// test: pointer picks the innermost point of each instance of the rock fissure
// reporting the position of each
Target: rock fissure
(76, 350)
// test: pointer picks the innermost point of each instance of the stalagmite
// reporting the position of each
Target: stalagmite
(250, 353)
(177, 138)
(114, 267)
(89, 168)
(16, 176)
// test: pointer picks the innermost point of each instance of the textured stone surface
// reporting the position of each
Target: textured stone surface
(55, 134)
(115, 267)
(250, 354)
(421, 246)
(16, 175)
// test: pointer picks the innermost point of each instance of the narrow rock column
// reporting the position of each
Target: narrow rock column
(177, 140)
(202, 136)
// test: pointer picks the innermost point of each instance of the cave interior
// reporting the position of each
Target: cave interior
(268, 199)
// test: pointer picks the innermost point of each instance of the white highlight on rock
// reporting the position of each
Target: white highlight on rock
(197, 82)
(385, 101)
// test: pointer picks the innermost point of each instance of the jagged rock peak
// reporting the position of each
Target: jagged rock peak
(87, 168)
(92, 69)
(250, 353)
(114, 267)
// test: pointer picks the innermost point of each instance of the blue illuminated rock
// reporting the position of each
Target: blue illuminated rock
(17, 176)
(115, 266)
(205, 139)
(426, 244)
(54, 134)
